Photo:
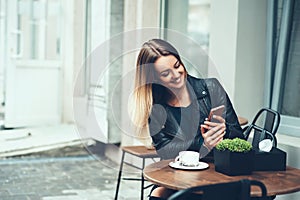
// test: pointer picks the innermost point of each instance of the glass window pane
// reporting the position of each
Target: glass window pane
(191, 18)
(39, 29)
(291, 89)
(199, 22)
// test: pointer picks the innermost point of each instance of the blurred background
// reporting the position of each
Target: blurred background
(46, 85)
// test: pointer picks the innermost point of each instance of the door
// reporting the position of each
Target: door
(33, 67)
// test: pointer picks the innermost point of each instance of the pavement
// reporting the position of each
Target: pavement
(23, 141)
(67, 173)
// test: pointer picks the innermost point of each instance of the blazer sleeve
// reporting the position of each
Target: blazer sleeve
(218, 96)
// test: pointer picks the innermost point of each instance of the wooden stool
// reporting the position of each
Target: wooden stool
(140, 152)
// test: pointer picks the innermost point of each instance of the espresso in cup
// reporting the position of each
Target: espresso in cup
(188, 158)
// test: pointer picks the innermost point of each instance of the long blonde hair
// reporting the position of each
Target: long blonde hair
(144, 94)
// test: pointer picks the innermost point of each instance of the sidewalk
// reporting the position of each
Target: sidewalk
(69, 173)
(22, 141)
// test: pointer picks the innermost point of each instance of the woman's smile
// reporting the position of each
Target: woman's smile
(177, 80)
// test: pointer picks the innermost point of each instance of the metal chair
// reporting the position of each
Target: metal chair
(270, 120)
(140, 152)
(238, 190)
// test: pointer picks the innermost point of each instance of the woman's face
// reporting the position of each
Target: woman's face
(170, 72)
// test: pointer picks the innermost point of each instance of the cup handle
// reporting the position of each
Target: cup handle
(177, 159)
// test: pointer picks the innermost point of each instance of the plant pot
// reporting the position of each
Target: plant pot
(234, 163)
(275, 160)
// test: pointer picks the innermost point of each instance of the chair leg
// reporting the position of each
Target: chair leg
(143, 180)
(120, 174)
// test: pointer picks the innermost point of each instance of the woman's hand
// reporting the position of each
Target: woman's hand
(213, 132)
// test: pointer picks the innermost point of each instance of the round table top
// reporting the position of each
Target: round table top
(276, 182)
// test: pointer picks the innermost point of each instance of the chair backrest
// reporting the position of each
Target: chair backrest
(270, 120)
(238, 190)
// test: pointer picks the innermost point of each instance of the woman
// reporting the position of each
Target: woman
(172, 107)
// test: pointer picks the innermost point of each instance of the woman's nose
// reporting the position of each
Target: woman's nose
(176, 73)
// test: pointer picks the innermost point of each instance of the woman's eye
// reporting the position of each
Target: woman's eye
(177, 66)
(164, 74)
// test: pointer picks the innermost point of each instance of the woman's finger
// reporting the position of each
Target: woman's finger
(216, 134)
(204, 128)
(212, 130)
(218, 139)
(213, 141)
(221, 133)
(209, 123)
(219, 118)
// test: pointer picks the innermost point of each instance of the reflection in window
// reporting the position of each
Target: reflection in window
(291, 89)
(192, 19)
(199, 22)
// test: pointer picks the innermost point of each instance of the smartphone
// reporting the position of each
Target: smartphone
(216, 111)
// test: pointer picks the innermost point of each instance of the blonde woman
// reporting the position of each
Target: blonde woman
(172, 107)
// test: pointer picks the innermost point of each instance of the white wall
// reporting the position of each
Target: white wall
(237, 50)
(222, 42)
(250, 57)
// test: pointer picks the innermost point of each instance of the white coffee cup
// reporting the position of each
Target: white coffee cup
(265, 145)
(188, 158)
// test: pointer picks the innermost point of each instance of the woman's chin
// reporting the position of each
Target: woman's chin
(177, 86)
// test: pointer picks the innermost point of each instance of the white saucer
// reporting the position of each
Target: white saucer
(177, 165)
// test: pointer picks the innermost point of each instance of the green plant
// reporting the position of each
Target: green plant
(234, 145)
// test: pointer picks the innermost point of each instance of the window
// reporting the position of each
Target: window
(190, 18)
(285, 68)
(40, 23)
(290, 103)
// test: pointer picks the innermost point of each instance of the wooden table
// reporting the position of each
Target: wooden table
(277, 182)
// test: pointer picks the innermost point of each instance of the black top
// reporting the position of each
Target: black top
(188, 122)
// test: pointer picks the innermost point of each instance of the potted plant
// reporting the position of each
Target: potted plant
(234, 157)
